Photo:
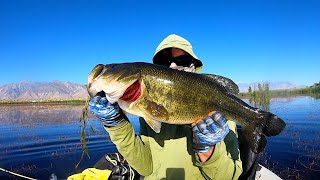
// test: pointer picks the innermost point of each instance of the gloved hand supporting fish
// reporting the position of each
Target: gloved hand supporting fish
(163, 95)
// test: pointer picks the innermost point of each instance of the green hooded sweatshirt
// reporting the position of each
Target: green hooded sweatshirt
(169, 154)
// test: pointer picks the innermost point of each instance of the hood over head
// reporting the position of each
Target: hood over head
(175, 41)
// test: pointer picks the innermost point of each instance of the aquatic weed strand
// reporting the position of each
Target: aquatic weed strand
(83, 121)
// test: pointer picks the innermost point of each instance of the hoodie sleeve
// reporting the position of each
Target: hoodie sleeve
(131, 146)
(225, 162)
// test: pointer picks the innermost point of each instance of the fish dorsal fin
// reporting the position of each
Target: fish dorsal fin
(227, 83)
(155, 125)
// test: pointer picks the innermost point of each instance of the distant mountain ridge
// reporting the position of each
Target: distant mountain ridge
(37, 91)
(61, 90)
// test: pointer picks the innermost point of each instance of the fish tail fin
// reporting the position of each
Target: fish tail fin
(267, 124)
(272, 125)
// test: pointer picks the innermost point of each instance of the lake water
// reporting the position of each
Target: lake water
(37, 140)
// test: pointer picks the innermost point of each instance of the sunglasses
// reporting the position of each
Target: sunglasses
(184, 60)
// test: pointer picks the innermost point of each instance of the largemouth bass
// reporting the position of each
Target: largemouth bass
(163, 95)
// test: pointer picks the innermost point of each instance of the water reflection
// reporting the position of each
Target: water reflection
(35, 114)
(316, 95)
(295, 152)
(38, 140)
(261, 103)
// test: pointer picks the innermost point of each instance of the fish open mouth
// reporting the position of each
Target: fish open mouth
(132, 93)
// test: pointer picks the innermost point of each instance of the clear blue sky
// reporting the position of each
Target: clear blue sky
(247, 41)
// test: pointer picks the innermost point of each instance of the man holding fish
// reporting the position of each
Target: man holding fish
(208, 149)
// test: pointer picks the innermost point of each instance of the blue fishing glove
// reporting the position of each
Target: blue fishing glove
(209, 132)
(109, 114)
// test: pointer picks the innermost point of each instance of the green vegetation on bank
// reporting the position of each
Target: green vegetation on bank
(49, 102)
(260, 96)
(313, 91)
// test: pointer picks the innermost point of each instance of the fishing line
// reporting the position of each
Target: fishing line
(16, 174)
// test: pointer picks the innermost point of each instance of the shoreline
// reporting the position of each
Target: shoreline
(47, 102)
(246, 96)
(82, 102)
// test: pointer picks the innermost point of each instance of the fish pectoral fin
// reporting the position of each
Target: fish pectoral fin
(155, 125)
(227, 83)
(154, 114)
(156, 111)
